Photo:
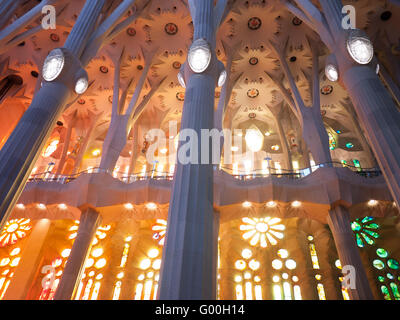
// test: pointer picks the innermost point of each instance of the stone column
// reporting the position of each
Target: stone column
(89, 222)
(373, 104)
(339, 223)
(187, 270)
(20, 152)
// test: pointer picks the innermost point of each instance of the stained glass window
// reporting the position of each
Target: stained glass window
(364, 230)
(13, 230)
(160, 228)
(285, 278)
(147, 286)
(262, 231)
(332, 141)
(90, 283)
(247, 278)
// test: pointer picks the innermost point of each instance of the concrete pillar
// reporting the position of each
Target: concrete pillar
(89, 222)
(20, 152)
(30, 259)
(187, 271)
(339, 223)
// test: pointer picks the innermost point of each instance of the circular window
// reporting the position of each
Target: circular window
(393, 264)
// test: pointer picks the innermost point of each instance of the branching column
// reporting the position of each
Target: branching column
(19, 154)
(187, 270)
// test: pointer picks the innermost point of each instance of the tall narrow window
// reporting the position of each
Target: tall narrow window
(122, 265)
(316, 266)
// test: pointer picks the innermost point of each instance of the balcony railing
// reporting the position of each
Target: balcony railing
(241, 175)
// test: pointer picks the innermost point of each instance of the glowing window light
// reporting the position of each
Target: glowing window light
(97, 252)
(345, 294)
(89, 263)
(15, 262)
(239, 292)
(87, 289)
(147, 289)
(246, 253)
(7, 283)
(155, 291)
(124, 257)
(364, 231)
(13, 230)
(297, 292)
(4, 262)
(247, 275)
(277, 264)
(277, 291)
(138, 291)
(72, 236)
(238, 278)
(117, 290)
(20, 206)
(157, 264)
(265, 168)
(314, 257)
(287, 291)
(15, 251)
(254, 265)
(262, 230)
(160, 229)
(290, 264)
(275, 279)
(145, 264)
(240, 265)
(100, 263)
(79, 291)
(278, 167)
(283, 253)
(52, 146)
(321, 291)
(96, 290)
(249, 290)
(254, 139)
(235, 168)
(153, 253)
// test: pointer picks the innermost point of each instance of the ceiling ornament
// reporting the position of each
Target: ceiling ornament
(253, 93)
(171, 29)
(254, 23)
(180, 96)
(327, 89)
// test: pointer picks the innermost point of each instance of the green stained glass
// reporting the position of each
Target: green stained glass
(372, 226)
(360, 243)
(372, 233)
(389, 276)
(381, 278)
(382, 253)
(367, 239)
(355, 226)
(395, 290)
(385, 292)
(378, 264)
(393, 264)
(367, 219)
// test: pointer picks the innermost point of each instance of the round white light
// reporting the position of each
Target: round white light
(360, 48)
(222, 78)
(81, 85)
(181, 80)
(332, 73)
(199, 56)
(254, 139)
(53, 65)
